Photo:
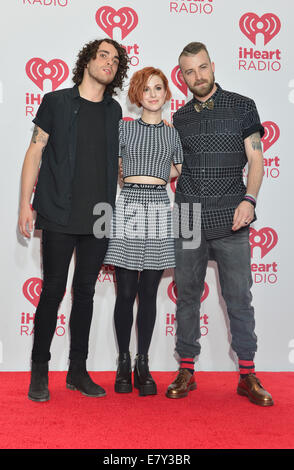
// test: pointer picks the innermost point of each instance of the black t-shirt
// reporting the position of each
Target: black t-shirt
(89, 181)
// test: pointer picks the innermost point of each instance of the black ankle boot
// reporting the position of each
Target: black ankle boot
(123, 379)
(38, 390)
(142, 377)
(78, 379)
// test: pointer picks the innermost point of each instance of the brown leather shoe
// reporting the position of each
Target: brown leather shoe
(251, 387)
(180, 387)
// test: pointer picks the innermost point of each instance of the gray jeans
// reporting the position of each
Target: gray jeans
(232, 255)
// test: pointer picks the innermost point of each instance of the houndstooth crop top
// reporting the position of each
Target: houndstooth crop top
(148, 149)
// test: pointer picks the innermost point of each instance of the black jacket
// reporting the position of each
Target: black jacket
(57, 115)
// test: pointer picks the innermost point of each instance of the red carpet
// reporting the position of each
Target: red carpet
(211, 417)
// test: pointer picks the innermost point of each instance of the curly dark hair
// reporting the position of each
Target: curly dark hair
(89, 52)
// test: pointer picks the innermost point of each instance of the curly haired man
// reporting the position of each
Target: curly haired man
(75, 139)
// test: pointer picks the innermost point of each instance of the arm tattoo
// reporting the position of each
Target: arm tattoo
(39, 136)
(255, 141)
(34, 136)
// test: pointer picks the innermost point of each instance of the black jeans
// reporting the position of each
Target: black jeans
(58, 249)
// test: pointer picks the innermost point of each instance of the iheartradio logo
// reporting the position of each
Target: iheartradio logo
(271, 134)
(266, 239)
(251, 24)
(126, 19)
(177, 79)
(56, 70)
(173, 293)
(32, 290)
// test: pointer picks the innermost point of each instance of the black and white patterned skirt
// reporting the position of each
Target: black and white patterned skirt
(142, 232)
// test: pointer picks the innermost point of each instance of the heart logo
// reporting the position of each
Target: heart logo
(251, 24)
(173, 184)
(173, 293)
(271, 134)
(125, 18)
(38, 70)
(205, 292)
(32, 290)
(266, 239)
(177, 79)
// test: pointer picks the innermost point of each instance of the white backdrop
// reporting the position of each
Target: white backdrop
(251, 44)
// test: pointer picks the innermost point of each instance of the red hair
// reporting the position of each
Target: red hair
(139, 80)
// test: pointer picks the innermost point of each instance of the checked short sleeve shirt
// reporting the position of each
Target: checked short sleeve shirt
(214, 157)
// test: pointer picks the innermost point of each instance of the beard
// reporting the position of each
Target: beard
(204, 89)
(100, 78)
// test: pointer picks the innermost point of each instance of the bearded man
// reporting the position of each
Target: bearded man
(220, 133)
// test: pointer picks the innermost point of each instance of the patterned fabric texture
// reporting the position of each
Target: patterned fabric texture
(214, 157)
(142, 231)
(148, 149)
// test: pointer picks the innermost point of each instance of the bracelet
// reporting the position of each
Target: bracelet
(250, 195)
(250, 198)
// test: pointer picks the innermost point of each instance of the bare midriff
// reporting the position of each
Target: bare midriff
(144, 180)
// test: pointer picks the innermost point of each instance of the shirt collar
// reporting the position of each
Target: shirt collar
(76, 94)
(140, 121)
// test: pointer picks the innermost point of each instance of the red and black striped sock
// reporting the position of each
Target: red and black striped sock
(246, 367)
(187, 363)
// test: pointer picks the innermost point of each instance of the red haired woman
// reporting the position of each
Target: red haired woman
(141, 246)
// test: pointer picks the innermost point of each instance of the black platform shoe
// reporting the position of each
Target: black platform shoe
(78, 379)
(123, 379)
(142, 377)
(38, 390)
